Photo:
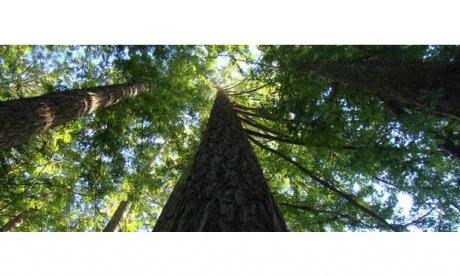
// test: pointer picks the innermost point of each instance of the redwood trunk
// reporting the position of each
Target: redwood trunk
(23, 118)
(224, 189)
(411, 84)
(114, 224)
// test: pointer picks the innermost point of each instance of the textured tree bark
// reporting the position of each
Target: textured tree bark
(16, 221)
(411, 84)
(114, 224)
(224, 189)
(23, 118)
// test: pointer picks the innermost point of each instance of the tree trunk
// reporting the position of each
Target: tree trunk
(23, 118)
(123, 208)
(224, 189)
(114, 224)
(16, 221)
(416, 85)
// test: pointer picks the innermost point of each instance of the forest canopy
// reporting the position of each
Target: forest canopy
(348, 138)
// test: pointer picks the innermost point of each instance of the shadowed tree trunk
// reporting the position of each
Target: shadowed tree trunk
(124, 207)
(415, 85)
(16, 221)
(23, 118)
(114, 224)
(224, 189)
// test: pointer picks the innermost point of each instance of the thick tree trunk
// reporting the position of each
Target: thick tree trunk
(23, 118)
(114, 224)
(16, 221)
(416, 85)
(224, 189)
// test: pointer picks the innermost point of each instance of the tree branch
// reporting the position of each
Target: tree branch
(313, 210)
(329, 186)
(256, 114)
(239, 106)
(235, 85)
(247, 91)
(420, 218)
(296, 142)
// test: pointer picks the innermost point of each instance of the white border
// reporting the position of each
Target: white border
(225, 22)
(57, 254)
(229, 22)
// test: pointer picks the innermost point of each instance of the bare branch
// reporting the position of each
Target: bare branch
(247, 91)
(297, 142)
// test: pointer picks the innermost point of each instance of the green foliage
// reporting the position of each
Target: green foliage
(73, 177)
(392, 155)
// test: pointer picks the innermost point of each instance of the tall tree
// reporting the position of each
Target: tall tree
(114, 224)
(403, 169)
(88, 163)
(23, 118)
(411, 84)
(224, 189)
(403, 77)
(124, 206)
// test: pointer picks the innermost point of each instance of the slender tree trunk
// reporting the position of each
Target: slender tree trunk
(416, 85)
(16, 221)
(23, 118)
(114, 224)
(124, 207)
(224, 189)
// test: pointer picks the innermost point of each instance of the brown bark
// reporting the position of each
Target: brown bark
(224, 189)
(400, 84)
(114, 224)
(23, 118)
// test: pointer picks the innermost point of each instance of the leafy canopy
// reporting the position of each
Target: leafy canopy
(73, 177)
